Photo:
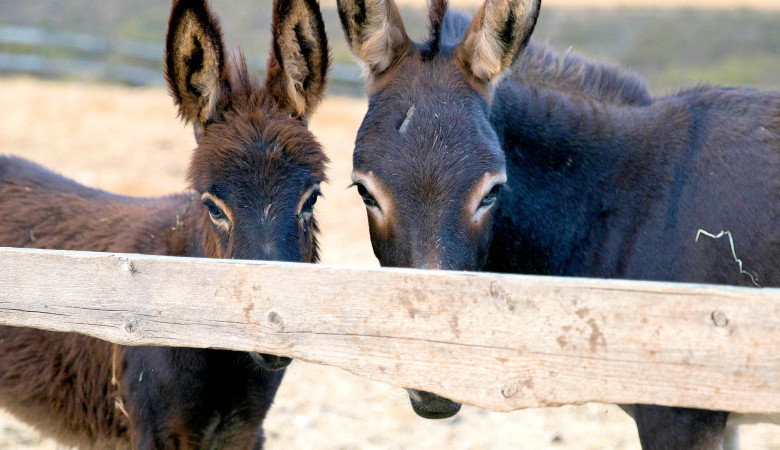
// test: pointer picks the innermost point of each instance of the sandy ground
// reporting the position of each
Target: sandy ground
(128, 141)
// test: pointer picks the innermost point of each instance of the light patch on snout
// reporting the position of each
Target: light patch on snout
(478, 192)
(385, 205)
(414, 395)
(225, 223)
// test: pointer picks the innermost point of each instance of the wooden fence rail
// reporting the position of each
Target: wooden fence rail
(499, 342)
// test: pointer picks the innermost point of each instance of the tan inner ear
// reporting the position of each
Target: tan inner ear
(480, 51)
(376, 48)
(482, 48)
(381, 38)
(202, 108)
(296, 68)
(222, 224)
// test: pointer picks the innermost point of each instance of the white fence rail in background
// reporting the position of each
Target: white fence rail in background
(499, 342)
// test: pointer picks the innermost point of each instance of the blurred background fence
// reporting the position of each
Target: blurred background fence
(65, 54)
(121, 41)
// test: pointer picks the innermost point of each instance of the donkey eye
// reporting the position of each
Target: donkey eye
(218, 211)
(490, 197)
(214, 210)
(308, 205)
(368, 199)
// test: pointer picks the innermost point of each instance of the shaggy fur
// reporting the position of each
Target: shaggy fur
(299, 56)
(499, 30)
(257, 162)
(375, 33)
(603, 180)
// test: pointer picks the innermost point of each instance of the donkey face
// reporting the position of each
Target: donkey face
(427, 161)
(257, 169)
(428, 166)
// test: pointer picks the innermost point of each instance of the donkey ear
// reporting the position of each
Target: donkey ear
(298, 63)
(374, 32)
(195, 62)
(498, 32)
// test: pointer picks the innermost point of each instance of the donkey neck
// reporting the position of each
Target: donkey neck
(173, 227)
(186, 237)
(577, 167)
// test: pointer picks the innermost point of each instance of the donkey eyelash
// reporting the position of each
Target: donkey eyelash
(368, 199)
(313, 197)
(213, 209)
(490, 198)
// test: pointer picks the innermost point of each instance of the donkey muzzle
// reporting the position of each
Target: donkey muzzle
(431, 406)
(271, 362)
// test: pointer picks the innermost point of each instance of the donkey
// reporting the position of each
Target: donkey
(482, 151)
(255, 177)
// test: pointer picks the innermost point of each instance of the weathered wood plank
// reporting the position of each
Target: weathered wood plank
(495, 341)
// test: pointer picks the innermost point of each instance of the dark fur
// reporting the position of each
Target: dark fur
(436, 11)
(254, 157)
(603, 180)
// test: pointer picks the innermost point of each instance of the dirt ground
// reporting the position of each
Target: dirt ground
(128, 140)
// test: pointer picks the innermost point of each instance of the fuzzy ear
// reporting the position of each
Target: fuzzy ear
(195, 63)
(498, 32)
(374, 32)
(298, 63)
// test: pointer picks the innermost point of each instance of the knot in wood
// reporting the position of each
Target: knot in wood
(509, 389)
(275, 319)
(131, 326)
(127, 266)
(719, 318)
(497, 291)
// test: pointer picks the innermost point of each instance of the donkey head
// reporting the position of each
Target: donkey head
(257, 169)
(427, 161)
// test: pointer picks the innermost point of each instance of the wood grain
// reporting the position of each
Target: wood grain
(498, 342)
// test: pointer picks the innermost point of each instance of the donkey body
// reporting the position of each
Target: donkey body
(255, 177)
(480, 151)
(619, 188)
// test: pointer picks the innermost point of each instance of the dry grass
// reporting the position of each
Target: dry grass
(128, 141)
(728, 234)
(769, 5)
(698, 4)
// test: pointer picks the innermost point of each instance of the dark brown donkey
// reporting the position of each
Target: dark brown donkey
(474, 158)
(255, 177)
